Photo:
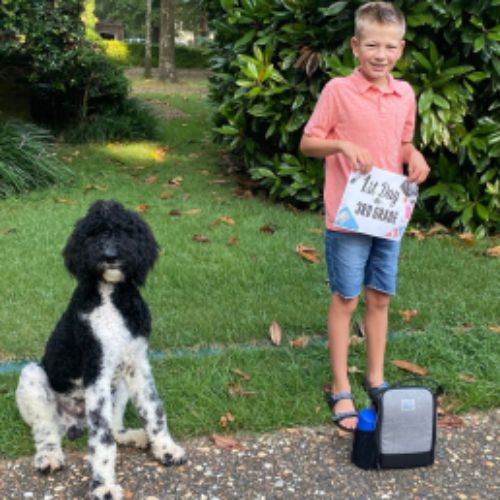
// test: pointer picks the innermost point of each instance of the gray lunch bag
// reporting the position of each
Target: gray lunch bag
(406, 427)
(405, 430)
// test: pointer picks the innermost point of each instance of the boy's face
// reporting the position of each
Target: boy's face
(378, 49)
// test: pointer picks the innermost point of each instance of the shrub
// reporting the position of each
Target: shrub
(270, 59)
(70, 77)
(131, 121)
(26, 160)
(185, 57)
(116, 50)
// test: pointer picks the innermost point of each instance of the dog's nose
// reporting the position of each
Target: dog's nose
(110, 252)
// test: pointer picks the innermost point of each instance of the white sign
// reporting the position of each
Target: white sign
(379, 203)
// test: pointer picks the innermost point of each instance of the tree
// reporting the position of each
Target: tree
(167, 41)
(147, 47)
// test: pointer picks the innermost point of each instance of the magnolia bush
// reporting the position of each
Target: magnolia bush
(270, 59)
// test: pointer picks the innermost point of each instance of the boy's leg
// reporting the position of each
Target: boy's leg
(380, 284)
(376, 321)
(339, 319)
(346, 256)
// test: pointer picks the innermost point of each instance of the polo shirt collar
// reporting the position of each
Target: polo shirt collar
(362, 84)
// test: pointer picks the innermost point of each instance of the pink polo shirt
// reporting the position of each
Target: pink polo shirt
(353, 109)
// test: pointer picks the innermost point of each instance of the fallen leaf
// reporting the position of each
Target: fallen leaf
(220, 182)
(94, 187)
(143, 208)
(466, 377)
(241, 374)
(464, 327)
(292, 430)
(356, 340)
(467, 238)
(354, 369)
(407, 314)
(10, 230)
(410, 367)
(226, 419)
(275, 333)
(308, 253)
(493, 251)
(175, 212)
(175, 181)
(64, 201)
(450, 422)
(268, 229)
(205, 172)
(229, 221)
(191, 211)
(494, 328)
(151, 179)
(226, 442)
(166, 195)
(299, 342)
(437, 228)
(360, 329)
(233, 240)
(416, 233)
(317, 230)
(242, 194)
(159, 154)
(238, 390)
(200, 238)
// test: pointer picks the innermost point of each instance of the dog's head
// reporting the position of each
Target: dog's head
(112, 244)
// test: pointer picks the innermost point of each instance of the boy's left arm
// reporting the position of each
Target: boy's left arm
(418, 170)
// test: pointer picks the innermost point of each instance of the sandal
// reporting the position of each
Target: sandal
(375, 392)
(332, 400)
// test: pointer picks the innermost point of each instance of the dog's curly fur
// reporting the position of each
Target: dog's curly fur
(96, 357)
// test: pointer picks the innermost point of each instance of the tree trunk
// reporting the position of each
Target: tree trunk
(167, 41)
(147, 46)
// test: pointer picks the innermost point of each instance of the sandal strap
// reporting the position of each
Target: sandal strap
(333, 399)
(345, 414)
(374, 392)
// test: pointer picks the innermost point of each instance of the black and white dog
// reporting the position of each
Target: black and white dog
(96, 358)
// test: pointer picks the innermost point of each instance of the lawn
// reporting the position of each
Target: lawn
(212, 302)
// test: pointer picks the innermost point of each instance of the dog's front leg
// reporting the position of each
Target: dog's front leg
(145, 397)
(102, 446)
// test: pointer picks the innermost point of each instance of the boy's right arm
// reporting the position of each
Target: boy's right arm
(317, 147)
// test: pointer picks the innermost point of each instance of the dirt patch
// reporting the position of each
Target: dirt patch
(189, 82)
(163, 110)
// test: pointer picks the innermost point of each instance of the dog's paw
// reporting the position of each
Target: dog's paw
(49, 461)
(174, 455)
(132, 437)
(107, 492)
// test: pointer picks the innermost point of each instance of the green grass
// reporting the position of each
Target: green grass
(206, 294)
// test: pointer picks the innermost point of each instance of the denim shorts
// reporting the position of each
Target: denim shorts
(354, 260)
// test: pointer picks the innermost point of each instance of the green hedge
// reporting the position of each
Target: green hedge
(271, 58)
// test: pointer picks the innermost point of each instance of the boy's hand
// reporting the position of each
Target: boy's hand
(418, 170)
(360, 157)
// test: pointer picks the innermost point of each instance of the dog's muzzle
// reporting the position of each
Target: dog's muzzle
(112, 272)
(111, 267)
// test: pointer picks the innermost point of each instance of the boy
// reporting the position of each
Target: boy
(359, 121)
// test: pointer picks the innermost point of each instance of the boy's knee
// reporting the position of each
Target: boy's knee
(376, 299)
(345, 305)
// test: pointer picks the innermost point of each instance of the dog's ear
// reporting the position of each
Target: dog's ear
(148, 250)
(73, 258)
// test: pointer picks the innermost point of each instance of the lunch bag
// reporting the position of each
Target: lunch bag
(405, 430)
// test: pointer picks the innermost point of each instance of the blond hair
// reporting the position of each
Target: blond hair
(384, 13)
